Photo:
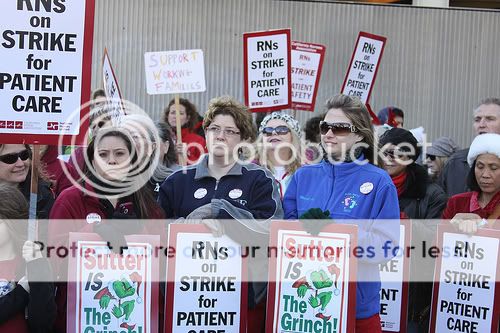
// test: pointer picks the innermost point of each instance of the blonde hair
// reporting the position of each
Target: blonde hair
(291, 167)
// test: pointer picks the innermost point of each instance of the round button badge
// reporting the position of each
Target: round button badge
(235, 194)
(93, 218)
(366, 188)
(200, 193)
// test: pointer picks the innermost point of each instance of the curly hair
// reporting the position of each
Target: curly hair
(228, 106)
(191, 112)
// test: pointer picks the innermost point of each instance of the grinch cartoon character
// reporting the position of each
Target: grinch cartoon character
(318, 281)
(122, 292)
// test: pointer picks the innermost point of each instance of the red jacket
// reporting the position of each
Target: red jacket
(54, 168)
(193, 153)
(468, 203)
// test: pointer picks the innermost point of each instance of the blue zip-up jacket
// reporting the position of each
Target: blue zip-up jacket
(360, 194)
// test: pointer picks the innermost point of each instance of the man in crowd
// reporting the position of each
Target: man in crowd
(486, 120)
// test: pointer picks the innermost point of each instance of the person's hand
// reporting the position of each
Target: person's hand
(31, 251)
(23, 282)
(181, 149)
(466, 222)
(215, 226)
(201, 213)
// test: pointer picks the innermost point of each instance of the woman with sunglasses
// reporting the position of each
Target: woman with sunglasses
(15, 169)
(229, 197)
(348, 185)
(422, 201)
(437, 155)
(278, 147)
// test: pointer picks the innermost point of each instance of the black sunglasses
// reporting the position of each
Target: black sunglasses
(12, 158)
(336, 128)
(280, 130)
(431, 157)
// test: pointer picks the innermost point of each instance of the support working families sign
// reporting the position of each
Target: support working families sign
(311, 279)
(307, 62)
(174, 72)
(205, 293)
(109, 292)
(267, 68)
(465, 293)
(364, 66)
(45, 72)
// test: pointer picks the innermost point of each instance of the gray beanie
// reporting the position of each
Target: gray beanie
(442, 147)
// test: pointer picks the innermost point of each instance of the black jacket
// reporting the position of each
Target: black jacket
(453, 178)
(423, 202)
(39, 301)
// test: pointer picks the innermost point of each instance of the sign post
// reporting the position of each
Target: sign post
(364, 66)
(175, 72)
(267, 70)
(112, 292)
(205, 291)
(312, 279)
(394, 276)
(307, 63)
(465, 294)
(111, 88)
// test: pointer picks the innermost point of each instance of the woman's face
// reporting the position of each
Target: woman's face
(275, 133)
(395, 163)
(222, 136)
(163, 147)
(336, 144)
(184, 118)
(487, 172)
(112, 158)
(16, 172)
(433, 164)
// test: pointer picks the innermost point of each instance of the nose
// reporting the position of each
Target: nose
(19, 162)
(220, 135)
(486, 173)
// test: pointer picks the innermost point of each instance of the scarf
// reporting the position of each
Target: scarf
(400, 181)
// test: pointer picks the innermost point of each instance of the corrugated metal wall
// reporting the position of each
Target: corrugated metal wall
(437, 64)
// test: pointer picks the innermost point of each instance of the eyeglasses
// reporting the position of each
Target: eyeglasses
(280, 130)
(431, 157)
(218, 130)
(337, 128)
(13, 157)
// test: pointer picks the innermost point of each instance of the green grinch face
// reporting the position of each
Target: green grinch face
(321, 280)
(123, 288)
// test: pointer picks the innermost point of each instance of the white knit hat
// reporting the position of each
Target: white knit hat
(488, 143)
(292, 123)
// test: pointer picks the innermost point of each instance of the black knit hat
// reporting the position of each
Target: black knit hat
(398, 136)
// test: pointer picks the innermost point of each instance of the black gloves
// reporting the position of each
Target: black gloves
(315, 227)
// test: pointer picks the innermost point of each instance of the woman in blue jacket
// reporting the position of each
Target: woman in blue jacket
(351, 185)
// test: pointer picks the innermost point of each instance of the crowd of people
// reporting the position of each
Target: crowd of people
(235, 177)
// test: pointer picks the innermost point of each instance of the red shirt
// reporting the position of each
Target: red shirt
(54, 168)
(468, 203)
(194, 152)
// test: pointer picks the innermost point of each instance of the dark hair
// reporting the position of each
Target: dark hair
(259, 117)
(191, 112)
(397, 136)
(143, 197)
(472, 183)
(311, 129)
(14, 213)
(165, 133)
(359, 116)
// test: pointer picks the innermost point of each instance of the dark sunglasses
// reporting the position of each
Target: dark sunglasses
(431, 157)
(336, 128)
(12, 158)
(280, 130)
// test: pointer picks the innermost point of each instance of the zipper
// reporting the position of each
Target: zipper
(216, 184)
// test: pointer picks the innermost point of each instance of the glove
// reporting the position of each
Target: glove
(215, 226)
(201, 213)
(314, 227)
(114, 237)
